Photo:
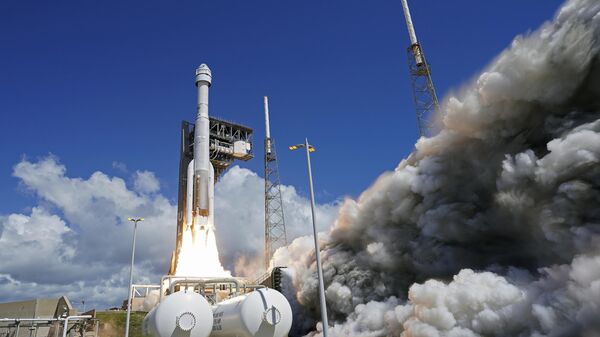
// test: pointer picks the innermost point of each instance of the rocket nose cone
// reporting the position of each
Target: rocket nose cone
(203, 68)
(203, 74)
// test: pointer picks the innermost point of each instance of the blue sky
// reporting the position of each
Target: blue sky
(97, 82)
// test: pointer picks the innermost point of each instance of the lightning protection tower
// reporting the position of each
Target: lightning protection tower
(275, 235)
(425, 98)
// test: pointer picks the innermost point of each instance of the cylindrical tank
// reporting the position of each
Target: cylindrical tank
(261, 313)
(179, 314)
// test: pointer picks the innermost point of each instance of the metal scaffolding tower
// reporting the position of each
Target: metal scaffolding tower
(425, 98)
(275, 235)
(228, 142)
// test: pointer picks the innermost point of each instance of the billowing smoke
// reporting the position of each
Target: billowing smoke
(490, 228)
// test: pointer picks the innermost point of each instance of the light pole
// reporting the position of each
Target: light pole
(135, 222)
(309, 149)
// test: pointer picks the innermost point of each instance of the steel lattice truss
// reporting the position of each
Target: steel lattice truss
(275, 235)
(425, 98)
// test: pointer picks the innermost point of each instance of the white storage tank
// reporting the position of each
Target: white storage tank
(179, 314)
(262, 313)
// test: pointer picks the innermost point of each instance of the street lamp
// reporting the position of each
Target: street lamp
(309, 149)
(135, 222)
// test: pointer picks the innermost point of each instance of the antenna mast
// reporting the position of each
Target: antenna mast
(425, 98)
(275, 235)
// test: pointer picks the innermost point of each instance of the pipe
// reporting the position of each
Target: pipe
(253, 286)
(66, 324)
(174, 280)
(16, 320)
(204, 282)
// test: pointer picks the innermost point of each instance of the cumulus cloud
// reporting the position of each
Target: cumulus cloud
(76, 240)
(491, 226)
(145, 182)
(45, 236)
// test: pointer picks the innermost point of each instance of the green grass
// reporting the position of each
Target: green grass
(112, 323)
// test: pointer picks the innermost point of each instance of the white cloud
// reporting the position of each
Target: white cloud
(145, 182)
(77, 241)
(120, 166)
(36, 240)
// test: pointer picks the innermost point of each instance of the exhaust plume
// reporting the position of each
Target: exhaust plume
(491, 227)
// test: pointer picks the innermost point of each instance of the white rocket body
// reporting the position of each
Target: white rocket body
(201, 191)
(190, 192)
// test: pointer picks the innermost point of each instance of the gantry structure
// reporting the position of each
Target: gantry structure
(275, 234)
(228, 141)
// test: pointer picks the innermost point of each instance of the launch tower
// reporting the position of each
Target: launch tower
(199, 298)
(275, 235)
(425, 98)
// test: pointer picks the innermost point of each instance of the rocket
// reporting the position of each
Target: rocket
(200, 172)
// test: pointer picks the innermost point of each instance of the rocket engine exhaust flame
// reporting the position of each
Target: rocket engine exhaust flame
(492, 226)
(199, 256)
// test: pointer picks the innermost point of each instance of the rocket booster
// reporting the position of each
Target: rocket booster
(202, 210)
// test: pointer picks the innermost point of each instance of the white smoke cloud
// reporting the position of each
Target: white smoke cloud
(240, 218)
(491, 227)
(486, 304)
